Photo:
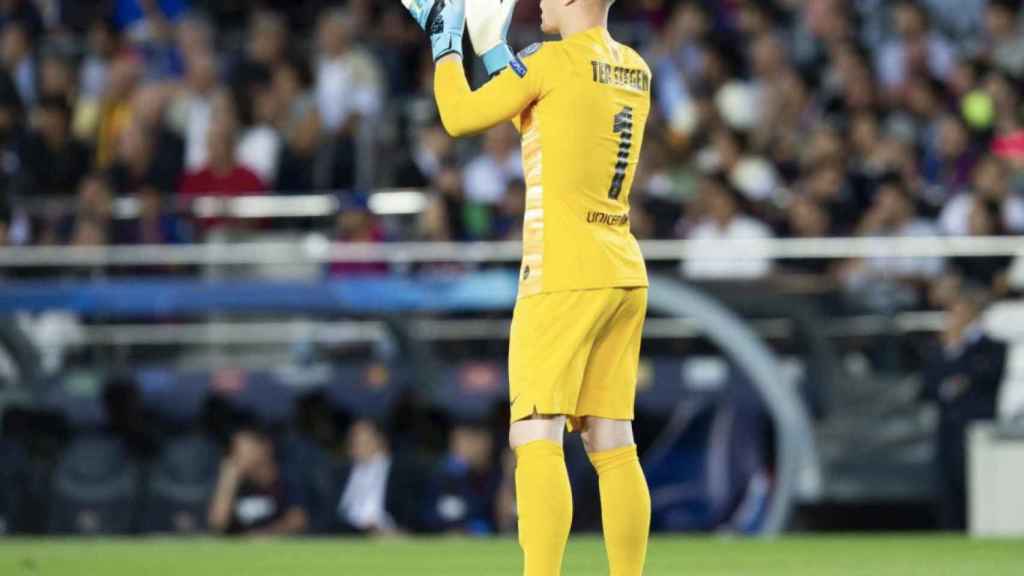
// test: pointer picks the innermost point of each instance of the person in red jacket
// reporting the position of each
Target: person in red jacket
(222, 176)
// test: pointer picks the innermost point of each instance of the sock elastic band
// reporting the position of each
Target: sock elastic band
(612, 459)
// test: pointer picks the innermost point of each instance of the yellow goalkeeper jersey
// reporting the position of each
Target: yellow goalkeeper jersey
(581, 105)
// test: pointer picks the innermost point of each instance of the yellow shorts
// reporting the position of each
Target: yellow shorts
(576, 353)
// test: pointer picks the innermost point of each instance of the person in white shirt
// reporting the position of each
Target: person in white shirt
(990, 182)
(348, 80)
(191, 111)
(349, 92)
(488, 175)
(885, 282)
(381, 490)
(916, 46)
(723, 220)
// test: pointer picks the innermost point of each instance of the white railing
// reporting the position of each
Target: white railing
(316, 248)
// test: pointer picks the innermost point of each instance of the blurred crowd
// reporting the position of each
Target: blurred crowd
(783, 118)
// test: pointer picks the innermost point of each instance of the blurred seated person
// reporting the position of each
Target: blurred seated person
(356, 223)
(254, 495)
(154, 224)
(807, 218)
(53, 159)
(94, 203)
(431, 148)
(148, 151)
(722, 219)
(222, 176)
(991, 184)
(380, 491)
(462, 493)
(989, 271)
(884, 282)
(963, 376)
(6, 215)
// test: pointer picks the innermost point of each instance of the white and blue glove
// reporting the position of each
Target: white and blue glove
(488, 22)
(443, 20)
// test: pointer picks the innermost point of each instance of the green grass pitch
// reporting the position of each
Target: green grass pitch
(791, 556)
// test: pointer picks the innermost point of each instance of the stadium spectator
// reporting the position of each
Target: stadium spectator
(948, 157)
(25, 12)
(462, 492)
(222, 175)
(1003, 42)
(721, 218)
(916, 49)
(104, 120)
(507, 223)
(101, 43)
(190, 112)
(145, 21)
(17, 60)
(94, 203)
(444, 218)
(397, 45)
(266, 46)
(828, 185)
(5, 221)
(487, 176)
(885, 283)
(963, 376)
(254, 494)
(153, 225)
(11, 139)
(807, 219)
(380, 490)
(431, 148)
(57, 75)
(355, 223)
(348, 91)
(54, 160)
(990, 183)
(148, 153)
(298, 122)
(259, 143)
(988, 271)
(193, 36)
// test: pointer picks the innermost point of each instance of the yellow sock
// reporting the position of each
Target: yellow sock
(625, 509)
(544, 502)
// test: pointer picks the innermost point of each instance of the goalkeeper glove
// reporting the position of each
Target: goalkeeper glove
(488, 22)
(443, 20)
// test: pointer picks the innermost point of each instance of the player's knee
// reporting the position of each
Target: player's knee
(535, 428)
(602, 434)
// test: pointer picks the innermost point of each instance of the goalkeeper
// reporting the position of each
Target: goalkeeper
(581, 105)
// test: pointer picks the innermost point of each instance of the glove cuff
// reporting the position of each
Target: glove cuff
(496, 59)
(446, 43)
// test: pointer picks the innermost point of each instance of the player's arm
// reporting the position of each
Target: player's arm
(465, 111)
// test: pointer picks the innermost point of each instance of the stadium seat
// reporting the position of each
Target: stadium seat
(180, 485)
(94, 488)
(311, 468)
(13, 474)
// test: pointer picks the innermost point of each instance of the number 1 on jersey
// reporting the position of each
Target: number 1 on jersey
(623, 126)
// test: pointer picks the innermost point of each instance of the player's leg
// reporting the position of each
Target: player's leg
(550, 339)
(543, 493)
(625, 498)
(607, 396)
